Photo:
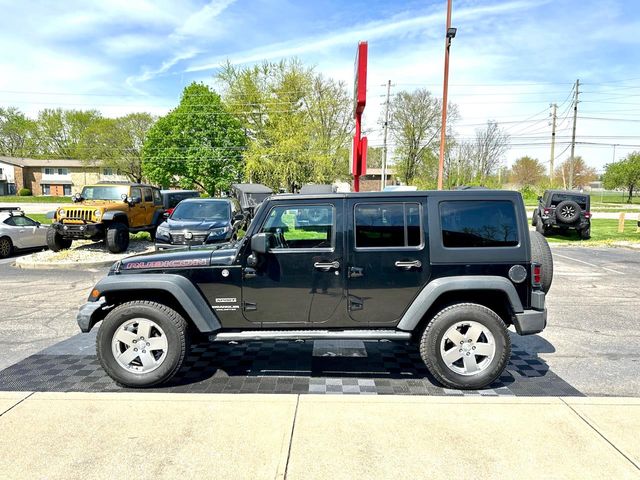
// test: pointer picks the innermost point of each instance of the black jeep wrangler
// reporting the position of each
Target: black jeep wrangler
(563, 210)
(449, 271)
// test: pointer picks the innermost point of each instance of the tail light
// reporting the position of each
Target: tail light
(169, 211)
(536, 275)
(587, 214)
(547, 211)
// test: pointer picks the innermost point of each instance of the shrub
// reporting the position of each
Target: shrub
(24, 192)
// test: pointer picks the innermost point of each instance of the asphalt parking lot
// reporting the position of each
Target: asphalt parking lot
(590, 346)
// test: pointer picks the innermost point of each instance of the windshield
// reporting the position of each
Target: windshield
(106, 192)
(201, 211)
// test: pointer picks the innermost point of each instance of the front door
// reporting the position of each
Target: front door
(56, 190)
(388, 257)
(299, 281)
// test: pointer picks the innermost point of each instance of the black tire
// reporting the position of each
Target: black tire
(117, 238)
(541, 229)
(534, 218)
(57, 242)
(432, 337)
(6, 247)
(585, 233)
(172, 323)
(541, 253)
(568, 212)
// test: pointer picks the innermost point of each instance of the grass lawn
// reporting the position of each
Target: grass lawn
(42, 199)
(39, 217)
(603, 232)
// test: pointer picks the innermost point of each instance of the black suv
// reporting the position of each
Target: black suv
(563, 210)
(198, 221)
(448, 271)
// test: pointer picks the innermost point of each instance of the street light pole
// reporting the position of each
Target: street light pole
(451, 33)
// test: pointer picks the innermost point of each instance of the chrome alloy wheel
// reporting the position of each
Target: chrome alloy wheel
(467, 348)
(5, 247)
(568, 211)
(139, 345)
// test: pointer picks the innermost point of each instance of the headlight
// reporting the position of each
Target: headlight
(61, 213)
(216, 232)
(97, 213)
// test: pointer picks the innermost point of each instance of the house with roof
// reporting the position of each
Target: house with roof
(57, 177)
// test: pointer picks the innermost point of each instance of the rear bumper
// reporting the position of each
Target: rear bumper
(530, 321)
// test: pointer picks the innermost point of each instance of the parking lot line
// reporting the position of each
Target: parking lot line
(590, 264)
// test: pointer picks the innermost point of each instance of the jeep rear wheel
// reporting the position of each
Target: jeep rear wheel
(117, 238)
(585, 233)
(57, 242)
(142, 343)
(465, 346)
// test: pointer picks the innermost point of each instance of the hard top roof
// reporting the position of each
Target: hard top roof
(120, 184)
(481, 194)
(568, 192)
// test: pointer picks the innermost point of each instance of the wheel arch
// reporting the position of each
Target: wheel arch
(496, 293)
(116, 217)
(174, 291)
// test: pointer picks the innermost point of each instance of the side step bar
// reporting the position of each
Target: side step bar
(311, 335)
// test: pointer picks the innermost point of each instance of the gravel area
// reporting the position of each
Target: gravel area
(84, 252)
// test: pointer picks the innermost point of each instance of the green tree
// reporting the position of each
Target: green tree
(527, 171)
(17, 134)
(61, 132)
(624, 174)
(197, 143)
(298, 122)
(414, 125)
(117, 143)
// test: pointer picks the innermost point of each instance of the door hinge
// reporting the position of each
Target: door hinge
(249, 307)
(355, 303)
(356, 272)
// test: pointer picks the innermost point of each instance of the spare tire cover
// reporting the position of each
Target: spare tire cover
(567, 211)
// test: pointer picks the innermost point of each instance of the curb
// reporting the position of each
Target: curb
(62, 265)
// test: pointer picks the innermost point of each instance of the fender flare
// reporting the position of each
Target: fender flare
(430, 294)
(157, 217)
(116, 216)
(185, 292)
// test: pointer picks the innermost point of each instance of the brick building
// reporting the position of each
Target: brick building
(371, 182)
(50, 177)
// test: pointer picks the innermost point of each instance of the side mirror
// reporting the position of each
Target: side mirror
(38, 224)
(125, 197)
(133, 200)
(260, 243)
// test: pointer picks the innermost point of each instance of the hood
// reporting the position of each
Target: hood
(223, 254)
(98, 203)
(195, 224)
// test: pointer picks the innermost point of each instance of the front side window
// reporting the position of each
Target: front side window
(388, 225)
(20, 221)
(478, 223)
(308, 226)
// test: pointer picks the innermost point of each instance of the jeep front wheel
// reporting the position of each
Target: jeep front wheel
(465, 346)
(57, 242)
(142, 343)
(117, 238)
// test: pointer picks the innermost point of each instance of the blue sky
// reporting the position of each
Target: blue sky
(509, 60)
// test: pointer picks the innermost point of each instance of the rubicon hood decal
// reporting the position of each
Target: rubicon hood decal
(187, 262)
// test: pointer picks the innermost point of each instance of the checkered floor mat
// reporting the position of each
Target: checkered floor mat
(321, 367)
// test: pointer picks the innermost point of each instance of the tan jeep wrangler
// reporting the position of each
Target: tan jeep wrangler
(107, 211)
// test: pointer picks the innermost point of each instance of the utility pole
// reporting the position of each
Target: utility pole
(450, 34)
(553, 141)
(383, 180)
(573, 135)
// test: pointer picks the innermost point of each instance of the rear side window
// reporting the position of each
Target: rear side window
(388, 225)
(478, 224)
(148, 196)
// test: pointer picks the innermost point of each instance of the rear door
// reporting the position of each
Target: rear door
(388, 261)
(149, 208)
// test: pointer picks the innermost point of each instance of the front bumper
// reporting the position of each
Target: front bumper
(74, 230)
(89, 314)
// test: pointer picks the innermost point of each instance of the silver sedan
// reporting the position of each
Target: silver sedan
(19, 232)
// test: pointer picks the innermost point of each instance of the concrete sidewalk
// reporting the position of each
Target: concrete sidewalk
(157, 435)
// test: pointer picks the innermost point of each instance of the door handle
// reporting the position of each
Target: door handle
(326, 266)
(409, 265)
